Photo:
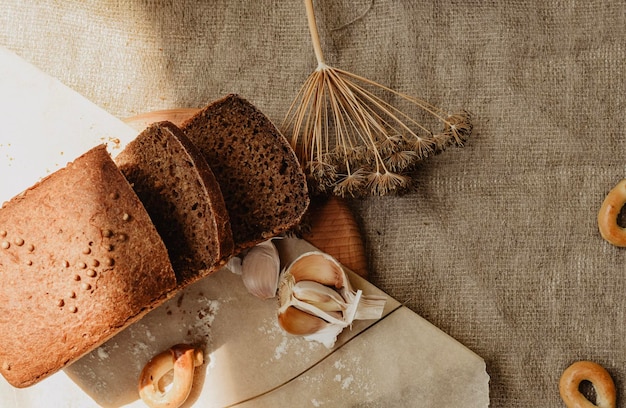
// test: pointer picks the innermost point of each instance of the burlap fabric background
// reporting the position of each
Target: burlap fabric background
(499, 244)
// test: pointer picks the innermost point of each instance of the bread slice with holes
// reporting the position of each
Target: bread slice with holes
(183, 198)
(79, 261)
(260, 177)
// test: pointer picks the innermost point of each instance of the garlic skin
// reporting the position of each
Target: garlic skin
(234, 265)
(260, 270)
(316, 300)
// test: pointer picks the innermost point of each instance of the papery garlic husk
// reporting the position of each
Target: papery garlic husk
(317, 301)
(369, 306)
(234, 265)
(260, 270)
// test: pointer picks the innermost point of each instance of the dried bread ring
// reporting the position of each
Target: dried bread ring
(181, 358)
(597, 376)
(607, 216)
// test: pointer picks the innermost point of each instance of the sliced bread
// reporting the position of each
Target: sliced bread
(79, 261)
(179, 191)
(260, 177)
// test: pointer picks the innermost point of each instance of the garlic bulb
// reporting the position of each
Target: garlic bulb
(317, 301)
(260, 270)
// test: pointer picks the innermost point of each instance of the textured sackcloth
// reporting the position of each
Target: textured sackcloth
(499, 245)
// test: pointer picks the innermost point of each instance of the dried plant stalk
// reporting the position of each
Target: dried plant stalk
(351, 141)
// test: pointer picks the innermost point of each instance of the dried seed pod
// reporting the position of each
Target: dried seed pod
(344, 121)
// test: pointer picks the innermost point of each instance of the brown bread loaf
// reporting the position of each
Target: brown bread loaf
(79, 261)
(260, 177)
(179, 191)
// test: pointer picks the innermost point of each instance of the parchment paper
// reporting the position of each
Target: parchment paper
(45, 124)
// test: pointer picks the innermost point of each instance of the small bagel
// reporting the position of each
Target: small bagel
(607, 216)
(181, 358)
(597, 376)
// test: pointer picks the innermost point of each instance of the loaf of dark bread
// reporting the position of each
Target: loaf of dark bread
(179, 191)
(81, 258)
(79, 261)
(260, 177)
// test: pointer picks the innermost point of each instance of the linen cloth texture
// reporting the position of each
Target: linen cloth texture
(498, 245)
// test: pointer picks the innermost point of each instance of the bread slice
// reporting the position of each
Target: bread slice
(260, 177)
(179, 191)
(79, 261)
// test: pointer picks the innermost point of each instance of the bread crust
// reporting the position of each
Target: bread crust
(79, 261)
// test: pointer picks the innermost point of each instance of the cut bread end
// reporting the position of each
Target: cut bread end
(264, 187)
(79, 261)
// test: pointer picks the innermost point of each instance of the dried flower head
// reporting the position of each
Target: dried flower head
(351, 184)
(402, 160)
(351, 141)
(385, 183)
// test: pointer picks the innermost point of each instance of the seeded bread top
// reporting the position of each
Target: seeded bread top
(260, 177)
(79, 261)
(183, 198)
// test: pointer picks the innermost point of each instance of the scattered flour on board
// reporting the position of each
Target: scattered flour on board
(286, 344)
(139, 349)
(347, 376)
(205, 317)
(281, 350)
(150, 336)
(102, 353)
(353, 377)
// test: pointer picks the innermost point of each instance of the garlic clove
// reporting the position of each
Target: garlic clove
(260, 270)
(297, 322)
(318, 267)
(287, 299)
(319, 295)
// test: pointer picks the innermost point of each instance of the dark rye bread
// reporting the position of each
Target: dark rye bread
(179, 191)
(260, 177)
(79, 261)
